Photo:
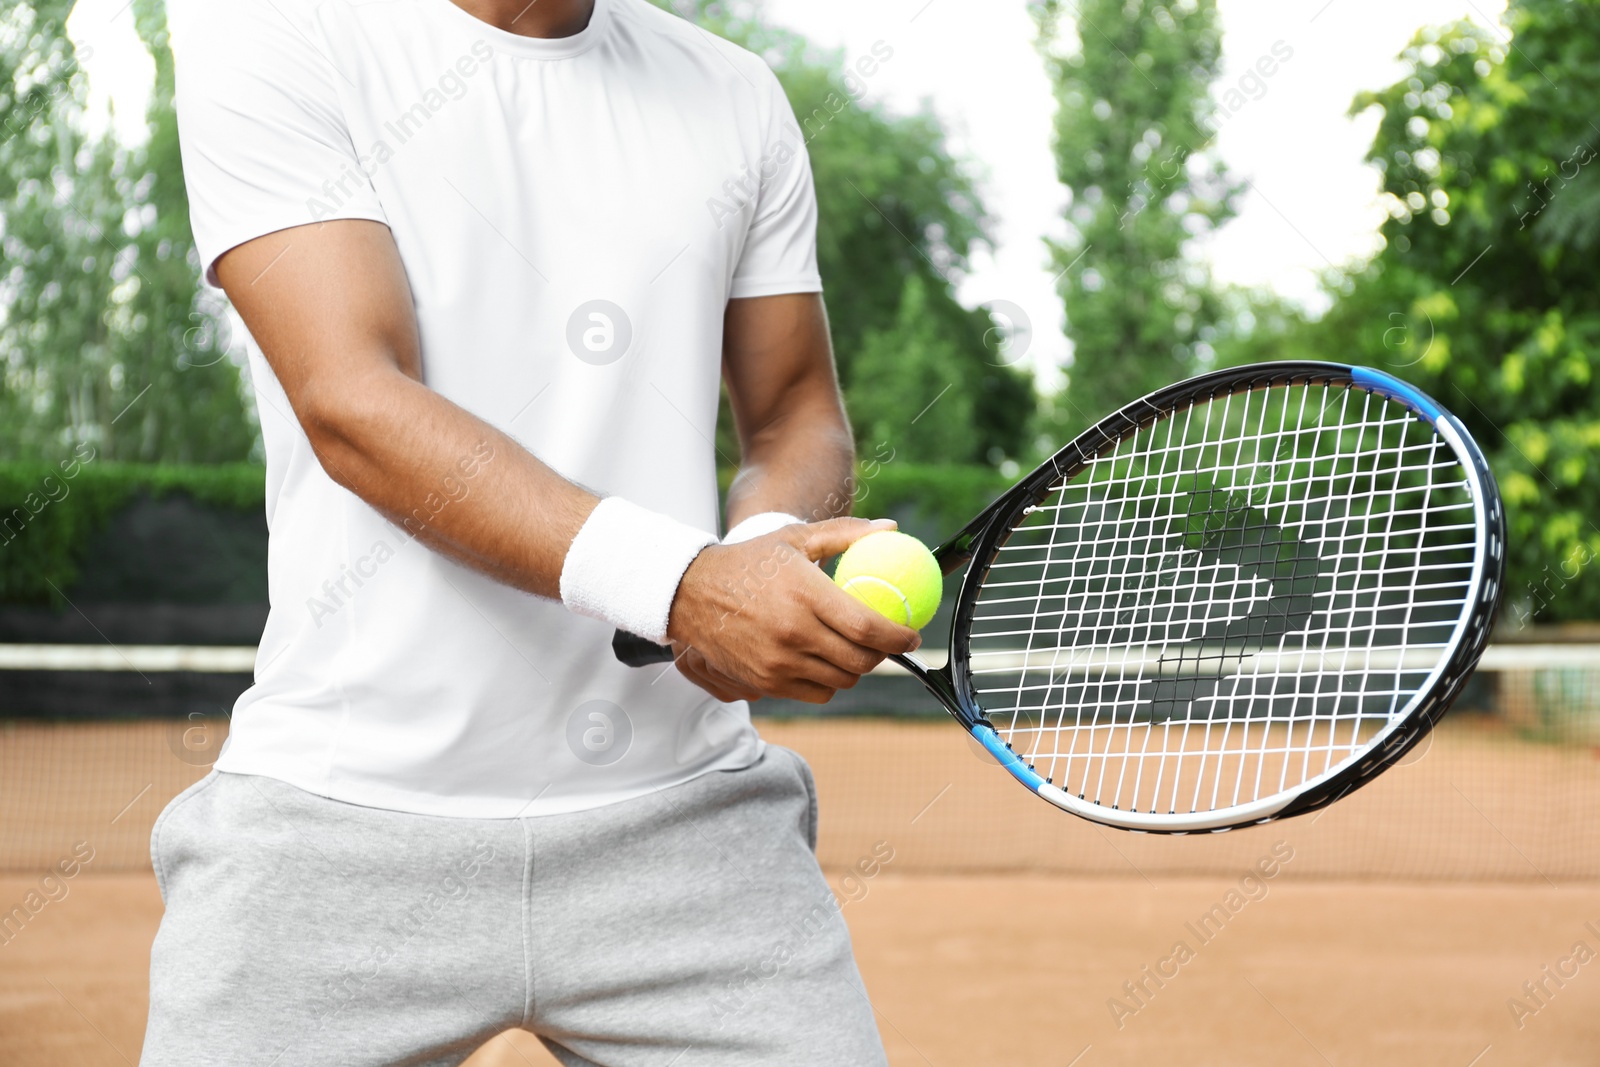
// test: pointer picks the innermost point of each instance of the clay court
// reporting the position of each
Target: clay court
(1001, 931)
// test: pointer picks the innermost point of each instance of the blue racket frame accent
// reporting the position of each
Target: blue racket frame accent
(1388, 385)
(984, 734)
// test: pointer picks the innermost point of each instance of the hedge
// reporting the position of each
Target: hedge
(50, 512)
(932, 501)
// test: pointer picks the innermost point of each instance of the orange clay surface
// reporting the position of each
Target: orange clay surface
(982, 969)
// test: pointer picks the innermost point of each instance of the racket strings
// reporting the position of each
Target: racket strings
(1229, 602)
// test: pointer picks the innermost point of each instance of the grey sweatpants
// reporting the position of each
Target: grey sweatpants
(685, 928)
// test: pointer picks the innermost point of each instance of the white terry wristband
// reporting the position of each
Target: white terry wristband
(625, 565)
(759, 526)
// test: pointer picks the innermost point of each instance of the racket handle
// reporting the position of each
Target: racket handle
(636, 651)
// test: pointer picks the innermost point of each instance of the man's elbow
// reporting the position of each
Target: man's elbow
(347, 423)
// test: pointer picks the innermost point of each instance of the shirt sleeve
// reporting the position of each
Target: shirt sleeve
(264, 141)
(780, 249)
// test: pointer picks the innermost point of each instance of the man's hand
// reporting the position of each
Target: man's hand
(761, 619)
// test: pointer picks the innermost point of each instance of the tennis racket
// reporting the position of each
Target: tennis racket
(1235, 600)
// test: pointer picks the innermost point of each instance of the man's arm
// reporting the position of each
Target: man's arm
(331, 309)
(797, 454)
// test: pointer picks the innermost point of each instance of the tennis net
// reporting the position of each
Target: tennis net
(1506, 789)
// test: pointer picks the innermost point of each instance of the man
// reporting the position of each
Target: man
(494, 258)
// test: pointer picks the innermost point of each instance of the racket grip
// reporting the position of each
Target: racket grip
(635, 651)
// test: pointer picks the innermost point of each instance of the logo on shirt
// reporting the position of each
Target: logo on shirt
(599, 732)
(599, 332)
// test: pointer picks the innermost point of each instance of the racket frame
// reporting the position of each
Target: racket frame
(976, 546)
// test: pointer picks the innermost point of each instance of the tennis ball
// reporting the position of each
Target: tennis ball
(895, 575)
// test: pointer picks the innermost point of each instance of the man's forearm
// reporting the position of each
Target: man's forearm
(797, 452)
(331, 308)
(474, 494)
(452, 481)
(803, 465)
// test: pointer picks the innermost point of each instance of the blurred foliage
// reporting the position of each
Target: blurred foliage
(1485, 292)
(893, 205)
(50, 512)
(1133, 132)
(903, 389)
(938, 498)
(933, 501)
(106, 337)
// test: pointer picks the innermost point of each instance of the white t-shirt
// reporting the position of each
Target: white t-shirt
(574, 215)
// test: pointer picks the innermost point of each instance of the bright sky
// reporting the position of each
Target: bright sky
(1312, 202)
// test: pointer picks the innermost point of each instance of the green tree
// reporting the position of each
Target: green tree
(908, 389)
(105, 337)
(1484, 292)
(1133, 130)
(893, 204)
